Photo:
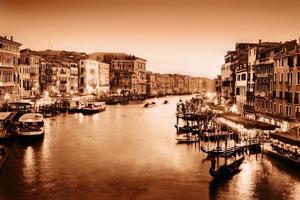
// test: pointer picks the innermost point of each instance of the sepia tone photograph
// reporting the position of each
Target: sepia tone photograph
(149, 100)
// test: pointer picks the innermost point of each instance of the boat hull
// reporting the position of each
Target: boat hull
(37, 135)
(91, 111)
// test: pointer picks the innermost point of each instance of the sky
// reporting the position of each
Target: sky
(187, 37)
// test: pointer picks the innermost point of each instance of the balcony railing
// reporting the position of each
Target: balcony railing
(248, 108)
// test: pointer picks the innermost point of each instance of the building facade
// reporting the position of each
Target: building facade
(9, 61)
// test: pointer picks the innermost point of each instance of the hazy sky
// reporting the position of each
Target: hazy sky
(189, 36)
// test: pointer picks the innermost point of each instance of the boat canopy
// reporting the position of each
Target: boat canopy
(5, 115)
(31, 117)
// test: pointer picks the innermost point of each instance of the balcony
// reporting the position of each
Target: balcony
(248, 108)
(32, 74)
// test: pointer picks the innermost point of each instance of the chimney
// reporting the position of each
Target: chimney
(5, 37)
(11, 38)
(259, 41)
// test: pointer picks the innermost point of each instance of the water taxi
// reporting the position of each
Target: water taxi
(93, 107)
(31, 125)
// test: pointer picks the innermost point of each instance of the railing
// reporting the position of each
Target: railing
(248, 108)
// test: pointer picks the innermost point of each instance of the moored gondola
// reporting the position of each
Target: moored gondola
(225, 170)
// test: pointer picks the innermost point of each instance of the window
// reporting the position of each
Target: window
(281, 77)
(298, 61)
(274, 78)
(237, 91)
(274, 105)
(291, 61)
(296, 98)
(286, 110)
(298, 78)
(243, 77)
(280, 95)
(291, 78)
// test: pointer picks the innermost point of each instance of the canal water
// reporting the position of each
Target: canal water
(130, 152)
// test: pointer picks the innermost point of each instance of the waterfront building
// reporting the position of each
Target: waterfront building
(151, 89)
(9, 80)
(193, 85)
(88, 76)
(72, 75)
(286, 86)
(45, 76)
(60, 78)
(228, 78)
(240, 69)
(60, 73)
(253, 54)
(127, 72)
(103, 78)
(29, 73)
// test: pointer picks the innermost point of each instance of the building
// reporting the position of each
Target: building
(88, 76)
(59, 71)
(239, 67)
(228, 78)
(45, 79)
(103, 78)
(9, 61)
(218, 86)
(127, 72)
(253, 53)
(286, 86)
(29, 73)
(152, 85)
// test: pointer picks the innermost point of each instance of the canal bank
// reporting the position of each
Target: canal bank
(130, 152)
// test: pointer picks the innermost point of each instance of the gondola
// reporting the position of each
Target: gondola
(226, 170)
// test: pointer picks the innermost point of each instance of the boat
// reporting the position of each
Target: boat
(149, 105)
(113, 101)
(226, 170)
(31, 126)
(187, 138)
(6, 125)
(187, 129)
(93, 107)
(166, 102)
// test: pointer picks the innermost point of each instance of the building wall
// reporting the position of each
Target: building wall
(88, 76)
(103, 78)
(9, 80)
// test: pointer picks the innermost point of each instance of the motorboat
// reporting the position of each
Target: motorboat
(31, 125)
(93, 107)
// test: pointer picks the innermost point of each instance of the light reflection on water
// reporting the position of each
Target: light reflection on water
(129, 152)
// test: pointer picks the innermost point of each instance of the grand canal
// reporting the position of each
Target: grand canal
(130, 152)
